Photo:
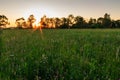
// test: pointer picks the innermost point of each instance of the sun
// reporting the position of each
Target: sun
(38, 14)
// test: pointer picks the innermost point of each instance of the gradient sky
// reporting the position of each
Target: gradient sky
(14, 9)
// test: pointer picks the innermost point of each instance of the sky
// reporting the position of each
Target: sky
(15, 9)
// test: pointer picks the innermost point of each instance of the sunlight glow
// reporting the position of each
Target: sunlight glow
(38, 13)
(36, 24)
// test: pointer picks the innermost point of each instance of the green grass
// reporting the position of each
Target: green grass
(68, 54)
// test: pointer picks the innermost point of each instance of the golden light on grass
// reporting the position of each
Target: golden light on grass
(37, 25)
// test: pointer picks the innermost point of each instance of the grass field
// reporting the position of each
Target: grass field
(60, 54)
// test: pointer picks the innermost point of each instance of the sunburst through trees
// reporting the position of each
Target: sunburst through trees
(65, 22)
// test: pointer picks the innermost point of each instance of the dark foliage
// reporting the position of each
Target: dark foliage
(65, 22)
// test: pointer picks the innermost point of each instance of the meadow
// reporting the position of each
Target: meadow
(60, 54)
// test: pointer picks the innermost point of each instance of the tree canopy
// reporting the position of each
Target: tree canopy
(3, 21)
(70, 21)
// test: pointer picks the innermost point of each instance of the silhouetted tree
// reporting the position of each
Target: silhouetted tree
(3, 21)
(107, 16)
(57, 22)
(100, 22)
(50, 23)
(106, 21)
(43, 21)
(31, 20)
(79, 22)
(71, 20)
(64, 22)
(20, 22)
(92, 23)
(54, 22)
(118, 23)
(115, 24)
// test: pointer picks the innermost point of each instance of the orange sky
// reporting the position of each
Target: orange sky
(15, 9)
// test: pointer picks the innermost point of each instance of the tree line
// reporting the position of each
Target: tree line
(70, 21)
